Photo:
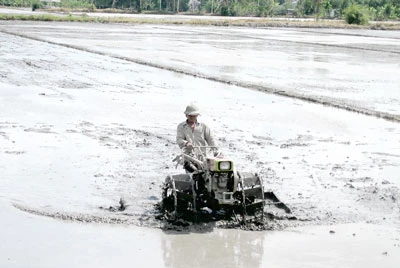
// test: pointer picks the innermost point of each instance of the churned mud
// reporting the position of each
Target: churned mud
(317, 193)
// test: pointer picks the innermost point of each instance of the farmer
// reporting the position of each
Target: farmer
(194, 133)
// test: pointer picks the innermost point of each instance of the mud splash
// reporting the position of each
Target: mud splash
(112, 218)
(75, 217)
(120, 215)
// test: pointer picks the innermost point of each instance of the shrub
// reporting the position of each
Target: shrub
(227, 9)
(36, 4)
(355, 14)
(265, 8)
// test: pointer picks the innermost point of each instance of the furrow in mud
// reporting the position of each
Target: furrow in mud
(76, 217)
(336, 46)
(327, 101)
(311, 43)
(345, 34)
(120, 218)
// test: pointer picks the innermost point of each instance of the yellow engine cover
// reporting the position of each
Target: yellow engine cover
(220, 164)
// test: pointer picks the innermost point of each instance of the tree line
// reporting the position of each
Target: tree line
(375, 9)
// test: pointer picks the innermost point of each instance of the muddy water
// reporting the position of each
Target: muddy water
(81, 127)
(42, 242)
(324, 66)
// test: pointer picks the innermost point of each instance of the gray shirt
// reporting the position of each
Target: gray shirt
(200, 136)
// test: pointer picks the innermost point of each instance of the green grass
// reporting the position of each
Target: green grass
(47, 17)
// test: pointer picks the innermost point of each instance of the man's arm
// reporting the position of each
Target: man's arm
(209, 137)
(180, 136)
(211, 141)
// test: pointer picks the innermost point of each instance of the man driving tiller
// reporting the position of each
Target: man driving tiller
(191, 133)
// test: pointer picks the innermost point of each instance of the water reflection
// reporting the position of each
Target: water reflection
(221, 248)
(229, 69)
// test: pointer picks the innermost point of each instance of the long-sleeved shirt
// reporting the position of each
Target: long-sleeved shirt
(200, 136)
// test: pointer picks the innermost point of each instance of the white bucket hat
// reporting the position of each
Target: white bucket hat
(192, 109)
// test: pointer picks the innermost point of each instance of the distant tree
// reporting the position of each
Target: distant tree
(377, 9)
(265, 8)
(305, 7)
(194, 5)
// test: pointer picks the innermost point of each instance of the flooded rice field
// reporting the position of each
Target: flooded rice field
(330, 67)
(88, 114)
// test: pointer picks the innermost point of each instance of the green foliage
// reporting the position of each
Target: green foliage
(355, 14)
(386, 12)
(265, 8)
(305, 7)
(76, 4)
(377, 9)
(36, 4)
(227, 8)
(16, 3)
(326, 8)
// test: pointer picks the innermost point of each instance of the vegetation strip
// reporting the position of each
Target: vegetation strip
(246, 22)
(353, 11)
(337, 103)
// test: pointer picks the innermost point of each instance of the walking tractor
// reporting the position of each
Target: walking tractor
(214, 190)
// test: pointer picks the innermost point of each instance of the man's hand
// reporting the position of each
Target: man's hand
(218, 154)
(179, 160)
(189, 145)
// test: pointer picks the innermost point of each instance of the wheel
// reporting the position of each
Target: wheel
(169, 199)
